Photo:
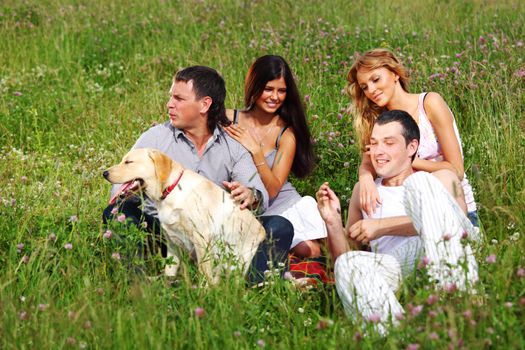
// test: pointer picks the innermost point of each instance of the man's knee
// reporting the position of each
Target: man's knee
(278, 228)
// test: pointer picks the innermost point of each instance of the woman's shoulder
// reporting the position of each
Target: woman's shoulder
(433, 99)
(286, 136)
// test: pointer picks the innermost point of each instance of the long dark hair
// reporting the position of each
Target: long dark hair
(207, 82)
(265, 69)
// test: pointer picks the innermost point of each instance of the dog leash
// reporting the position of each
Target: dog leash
(168, 190)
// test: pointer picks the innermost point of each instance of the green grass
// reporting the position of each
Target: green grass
(81, 80)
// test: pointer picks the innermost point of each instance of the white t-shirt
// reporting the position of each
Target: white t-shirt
(392, 198)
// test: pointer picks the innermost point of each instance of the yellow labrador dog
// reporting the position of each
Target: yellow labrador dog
(195, 213)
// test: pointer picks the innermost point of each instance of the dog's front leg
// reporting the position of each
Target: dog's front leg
(205, 262)
(170, 270)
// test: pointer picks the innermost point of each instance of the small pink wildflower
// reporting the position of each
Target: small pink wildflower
(23, 315)
(451, 288)
(261, 343)
(491, 259)
(416, 310)
(116, 255)
(114, 211)
(73, 218)
(17, 93)
(71, 341)
(521, 302)
(520, 272)
(423, 262)
(432, 314)
(520, 73)
(23, 180)
(346, 164)
(339, 116)
(467, 314)
(432, 299)
(20, 247)
(42, 307)
(358, 336)
(374, 318)
(108, 234)
(399, 316)
(413, 346)
(447, 237)
(433, 336)
(68, 246)
(52, 237)
(25, 259)
(508, 305)
(199, 312)
(121, 218)
(237, 334)
(307, 98)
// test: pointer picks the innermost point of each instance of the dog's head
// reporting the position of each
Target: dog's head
(141, 170)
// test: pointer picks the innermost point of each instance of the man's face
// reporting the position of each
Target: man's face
(388, 150)
(183, 107)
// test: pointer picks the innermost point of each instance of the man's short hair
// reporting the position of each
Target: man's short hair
(207, 82)
(408, 124)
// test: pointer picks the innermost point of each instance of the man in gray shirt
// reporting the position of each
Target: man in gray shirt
(194, 137)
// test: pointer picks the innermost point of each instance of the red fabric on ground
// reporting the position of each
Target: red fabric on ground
(311, 268)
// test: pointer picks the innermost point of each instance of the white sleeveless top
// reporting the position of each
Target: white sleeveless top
(430, 149)
(392, 198)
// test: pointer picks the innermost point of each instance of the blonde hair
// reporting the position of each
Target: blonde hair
(365, 111)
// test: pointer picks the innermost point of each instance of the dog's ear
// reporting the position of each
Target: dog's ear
(162, 164)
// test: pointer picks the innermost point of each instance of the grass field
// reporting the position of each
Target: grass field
(81, 80)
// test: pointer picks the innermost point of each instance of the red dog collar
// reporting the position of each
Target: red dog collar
(168, 190)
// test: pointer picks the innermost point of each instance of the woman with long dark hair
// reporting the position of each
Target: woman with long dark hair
(273, 128)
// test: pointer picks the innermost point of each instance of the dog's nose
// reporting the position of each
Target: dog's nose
(105, 174)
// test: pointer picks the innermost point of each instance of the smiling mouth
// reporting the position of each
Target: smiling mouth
(127, 189)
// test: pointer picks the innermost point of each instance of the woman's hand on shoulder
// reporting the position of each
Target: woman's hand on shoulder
(244, 137)
(369, 197)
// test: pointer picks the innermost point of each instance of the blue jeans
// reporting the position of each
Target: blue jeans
(473, 217)
(274, 249)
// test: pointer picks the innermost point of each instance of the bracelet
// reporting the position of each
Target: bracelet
(258, 165)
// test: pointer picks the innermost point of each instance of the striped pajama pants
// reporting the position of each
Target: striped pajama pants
(366, 282)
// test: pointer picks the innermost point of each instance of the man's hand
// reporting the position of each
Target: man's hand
(328, 204)
(365, 230)
(240, 194)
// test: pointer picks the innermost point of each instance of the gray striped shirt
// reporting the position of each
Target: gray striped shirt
(223, 159)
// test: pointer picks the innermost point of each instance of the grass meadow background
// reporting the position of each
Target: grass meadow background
(81, 80)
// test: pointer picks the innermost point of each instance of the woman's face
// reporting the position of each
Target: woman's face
(377, 84)
(273, 96)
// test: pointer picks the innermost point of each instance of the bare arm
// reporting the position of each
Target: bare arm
(367, 194)
(330, 209)
(275, 177)
(442, 121)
